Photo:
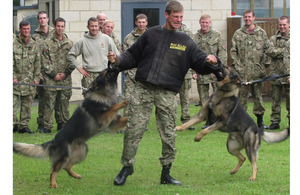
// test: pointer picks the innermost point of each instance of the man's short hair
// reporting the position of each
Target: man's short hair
(248, 11)
(108, 21)
(59, 19)
(205, 17)
(285, 18)
(173, 6)
(23, 23)
(92, 19)
(141, 16)
(42, 12)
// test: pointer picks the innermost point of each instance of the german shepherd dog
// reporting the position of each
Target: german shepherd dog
(98, 112)
(225, 113)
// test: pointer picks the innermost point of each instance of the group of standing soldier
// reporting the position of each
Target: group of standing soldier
(251, 53)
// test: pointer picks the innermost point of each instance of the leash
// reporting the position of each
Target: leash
(269, 78)
(51, 86)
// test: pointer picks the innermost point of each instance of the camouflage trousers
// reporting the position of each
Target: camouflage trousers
(41, 106)
(256, 91)
(142, 100)
(184, 100)
(276, 102)
(128, 89)
(203, 91)
(25, 110)
(59, 101)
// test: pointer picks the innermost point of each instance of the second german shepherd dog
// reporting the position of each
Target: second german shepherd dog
(223, 111)
(98, 112)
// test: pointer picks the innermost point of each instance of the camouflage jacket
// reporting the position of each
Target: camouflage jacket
(129, 40)
(54, 60)
(211, 43)
(186, 30)
(26, 65)
(116, 41)
(40, 36)
(286, 54)
(248, 53)
(278, 45)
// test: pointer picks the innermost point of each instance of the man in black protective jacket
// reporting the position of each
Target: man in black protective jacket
(162, 55)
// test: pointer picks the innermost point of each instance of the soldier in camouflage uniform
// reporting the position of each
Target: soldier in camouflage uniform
(248, 53)
(26, 69)
(279, 43)
(108, 27)
(186, 86)
(40, 35)
(211, 42)
(57, 71)
(141, 21)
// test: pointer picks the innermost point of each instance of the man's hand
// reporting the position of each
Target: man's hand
(84, 72)
(62, 76)
(211, 59)
(112, 57)
(15, 81)
(195, 76)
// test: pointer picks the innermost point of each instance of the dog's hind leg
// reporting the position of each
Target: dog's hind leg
(252, 145)
(71, 172)
(207, 130)
(55, 169)
(198, 118)
(234, 146)
(78, 153)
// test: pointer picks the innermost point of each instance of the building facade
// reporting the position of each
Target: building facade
(77, 12)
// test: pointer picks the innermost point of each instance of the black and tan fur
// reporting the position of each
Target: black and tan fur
(98, 112)
(223, 111)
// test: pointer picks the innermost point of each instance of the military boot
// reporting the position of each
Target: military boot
(124, 173)
(260, 121)
(166, 178)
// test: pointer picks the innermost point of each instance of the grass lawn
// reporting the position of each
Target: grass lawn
(202, 168)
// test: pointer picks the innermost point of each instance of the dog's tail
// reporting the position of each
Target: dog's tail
(273, 137)
(32, 150)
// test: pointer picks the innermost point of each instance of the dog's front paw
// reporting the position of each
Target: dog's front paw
(53, 185)
(179, 128)
(124, 103)
(197, 139)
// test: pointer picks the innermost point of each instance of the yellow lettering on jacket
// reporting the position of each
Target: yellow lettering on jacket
(177, 46)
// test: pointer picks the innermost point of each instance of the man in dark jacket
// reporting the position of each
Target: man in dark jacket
(162, 55)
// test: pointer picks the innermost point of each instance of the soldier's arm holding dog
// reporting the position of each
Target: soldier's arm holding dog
(205, 64)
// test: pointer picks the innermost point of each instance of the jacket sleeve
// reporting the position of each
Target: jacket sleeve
(37, 66)
(199, 64)
(69, 69)
(234, 51)
(266, 60)
(273, 51)
(129, 58)
(222, 52)
(46, 63)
